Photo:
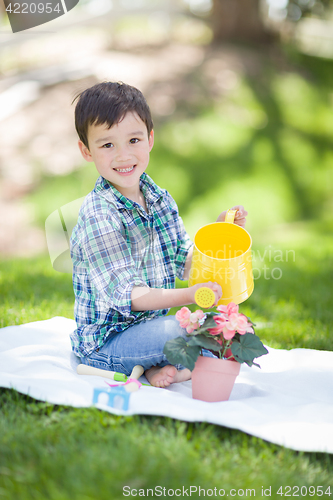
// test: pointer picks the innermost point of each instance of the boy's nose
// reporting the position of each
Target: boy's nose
(123, 154)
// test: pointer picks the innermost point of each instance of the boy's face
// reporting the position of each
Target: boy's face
(120, 153)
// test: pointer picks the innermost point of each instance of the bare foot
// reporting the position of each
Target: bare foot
(163, 377)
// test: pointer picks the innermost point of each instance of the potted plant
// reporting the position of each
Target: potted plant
(228, 334)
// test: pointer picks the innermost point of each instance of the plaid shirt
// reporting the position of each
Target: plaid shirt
(115, 246)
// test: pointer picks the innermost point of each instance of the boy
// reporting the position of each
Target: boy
(129, 243)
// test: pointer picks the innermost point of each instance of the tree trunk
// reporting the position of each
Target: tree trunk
(238, 20)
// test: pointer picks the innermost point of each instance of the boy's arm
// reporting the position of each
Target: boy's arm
(145, 299)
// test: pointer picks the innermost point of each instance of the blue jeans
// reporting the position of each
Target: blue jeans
(141, 344)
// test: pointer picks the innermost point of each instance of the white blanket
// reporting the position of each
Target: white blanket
(289, 401)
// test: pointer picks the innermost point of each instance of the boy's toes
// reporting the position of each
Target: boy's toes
(161, 377)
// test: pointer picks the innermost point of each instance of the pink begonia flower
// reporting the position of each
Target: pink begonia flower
(238, 322)
(194, 321)
(188, 320)
(229, 309)
(220, 324)
(183, 316)
(228, 334)
(232, 308)
(249, 326)
(200, 314)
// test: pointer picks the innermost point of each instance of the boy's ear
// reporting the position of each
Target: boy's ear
(151, 140)
(85, 151)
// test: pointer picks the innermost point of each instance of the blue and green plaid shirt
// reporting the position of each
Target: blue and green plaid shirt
(115, 246)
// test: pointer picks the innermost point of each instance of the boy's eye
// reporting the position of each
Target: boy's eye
(108, 145)
(134, 141)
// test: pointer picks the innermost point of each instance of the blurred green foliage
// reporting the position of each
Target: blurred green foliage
(267, 144)
(268, 147)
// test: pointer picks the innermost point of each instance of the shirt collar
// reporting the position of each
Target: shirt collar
(150, 190)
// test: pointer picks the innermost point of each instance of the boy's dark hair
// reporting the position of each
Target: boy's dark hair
(108, 103)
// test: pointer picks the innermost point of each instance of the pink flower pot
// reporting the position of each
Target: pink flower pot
(213, 378)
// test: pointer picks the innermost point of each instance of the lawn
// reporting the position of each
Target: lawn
(268, 145)
(52, 452)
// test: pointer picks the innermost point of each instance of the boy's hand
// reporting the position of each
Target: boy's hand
(210, 284)
(240, 216)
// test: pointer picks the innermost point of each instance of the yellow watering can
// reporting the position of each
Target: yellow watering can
(222, 253)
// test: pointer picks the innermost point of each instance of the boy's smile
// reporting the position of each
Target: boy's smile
(120, 153)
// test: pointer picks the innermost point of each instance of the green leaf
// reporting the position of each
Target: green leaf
(249, 319)
(247, 347)
(178, 351)
(251, 363)
(209, 323)
(205, 342)
(211, 314)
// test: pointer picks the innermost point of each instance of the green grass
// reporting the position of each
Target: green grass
(31, 290)
(63, 453)
(59, 453)
(267, 144)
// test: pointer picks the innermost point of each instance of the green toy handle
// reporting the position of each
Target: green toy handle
(118, 377)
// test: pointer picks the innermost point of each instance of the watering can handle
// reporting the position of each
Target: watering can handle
(230, 216)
